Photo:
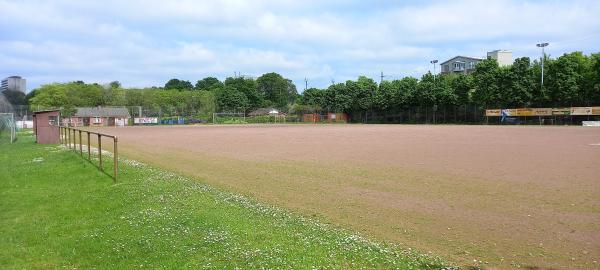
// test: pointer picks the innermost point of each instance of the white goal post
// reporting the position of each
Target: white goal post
(229, 118)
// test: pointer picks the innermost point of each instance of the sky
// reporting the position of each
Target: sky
(143, 43)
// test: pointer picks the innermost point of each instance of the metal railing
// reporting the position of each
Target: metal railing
(69, 136)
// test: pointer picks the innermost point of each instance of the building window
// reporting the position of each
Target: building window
(97, 120)
(52, 120)
(459, 66)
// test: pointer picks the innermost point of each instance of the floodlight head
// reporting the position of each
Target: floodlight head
(434, 61)
(542, 44)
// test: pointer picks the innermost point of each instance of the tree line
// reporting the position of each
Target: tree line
(572, 79)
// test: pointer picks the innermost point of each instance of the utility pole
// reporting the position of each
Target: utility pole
(305, 84)
(381, 79)
(542, 45)
(433, 62)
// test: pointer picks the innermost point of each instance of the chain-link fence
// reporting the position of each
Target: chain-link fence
(8, 128)
(464, 114)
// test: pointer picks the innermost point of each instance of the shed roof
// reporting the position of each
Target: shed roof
(102, 112)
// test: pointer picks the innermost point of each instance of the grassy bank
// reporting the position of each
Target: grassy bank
(58, 211)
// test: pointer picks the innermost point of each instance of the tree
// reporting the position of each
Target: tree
(230, 99)
(425, 95)
(115, 84)
(314, 97)
(463, 86)
(565, 79)
(386, 96)
(519, 84)
(292, 92)
(208, 84)
(249, 88)
(273, 87)
(179, 85)
(485, 79)
(338, 98)
(593, 77)
(364, 93)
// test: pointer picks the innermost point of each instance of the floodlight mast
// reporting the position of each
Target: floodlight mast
(542, 45)
(433, 62)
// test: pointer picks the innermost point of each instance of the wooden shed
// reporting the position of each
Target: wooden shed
(46, 126)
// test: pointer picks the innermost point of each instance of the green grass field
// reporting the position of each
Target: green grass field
(57, 210)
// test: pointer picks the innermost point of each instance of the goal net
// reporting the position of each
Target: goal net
(8, 128)
(229, 118)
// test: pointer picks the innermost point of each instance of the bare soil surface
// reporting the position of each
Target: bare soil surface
(483, 196)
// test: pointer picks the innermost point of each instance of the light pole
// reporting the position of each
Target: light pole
(542, 45)
(433, 62)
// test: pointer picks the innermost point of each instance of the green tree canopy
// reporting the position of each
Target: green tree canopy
(179, 85)
(208, 84)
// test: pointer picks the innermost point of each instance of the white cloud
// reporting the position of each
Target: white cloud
(142, 43)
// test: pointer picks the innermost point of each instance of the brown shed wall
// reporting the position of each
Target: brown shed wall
(46, 132)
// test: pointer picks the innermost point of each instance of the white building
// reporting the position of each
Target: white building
(503, 57)
(14, 83)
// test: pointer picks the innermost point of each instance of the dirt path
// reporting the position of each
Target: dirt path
(480, 195)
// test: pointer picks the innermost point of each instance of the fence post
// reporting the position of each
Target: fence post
(116, 159)
(100, 151)
(74, 140)
(89, 147)
(80, 145)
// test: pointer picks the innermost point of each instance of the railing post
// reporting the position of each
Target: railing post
(116, 159)
(100, 151)
(68, 140)
(74, 140)
(80, 145)
(89, 147)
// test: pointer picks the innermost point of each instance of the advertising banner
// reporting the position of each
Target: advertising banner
(561, 111)
(581, 110)
(524, 112)
(509, 112)
(145, 120)
(542, 111)
(492, 112)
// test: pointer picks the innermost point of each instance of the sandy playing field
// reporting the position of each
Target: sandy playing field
(490, 196)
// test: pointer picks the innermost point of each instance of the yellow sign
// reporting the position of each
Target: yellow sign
(524, 112)
(595, 110)
(492, 112)
(542, 111)
(561, 111)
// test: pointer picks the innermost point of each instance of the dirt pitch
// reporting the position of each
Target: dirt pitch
(489, 196)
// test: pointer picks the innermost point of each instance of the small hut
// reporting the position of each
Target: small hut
(46, 126)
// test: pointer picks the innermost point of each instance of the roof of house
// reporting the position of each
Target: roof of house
(102, 112)
(46, 111)
(264, 111)
(460, 56)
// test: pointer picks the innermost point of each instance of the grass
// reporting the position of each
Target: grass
(58, 210)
